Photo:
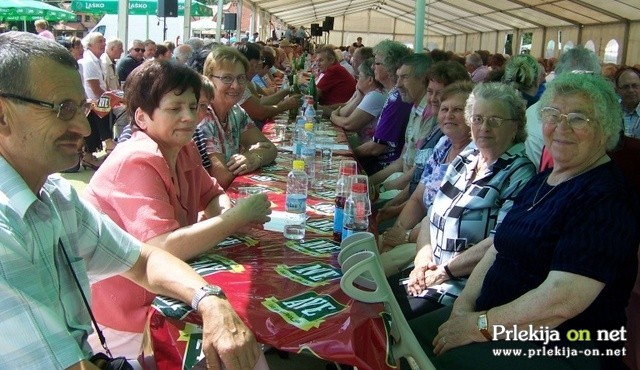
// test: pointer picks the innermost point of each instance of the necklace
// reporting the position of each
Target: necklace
(536, 202)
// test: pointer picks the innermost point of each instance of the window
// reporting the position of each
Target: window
(590, 45)
(525, 43)
(568, 46)
(551, 49)
(611, 52)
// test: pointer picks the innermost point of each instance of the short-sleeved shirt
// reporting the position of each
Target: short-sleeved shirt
(464, 212)
(336, 84)
(92, 69)
(419, 129)
(435, 168)
(125, 66)
(111, 76)
(390, 130)
(372, 103)
(588, 226)
(44, 320)
(225, 137)
(136, 189)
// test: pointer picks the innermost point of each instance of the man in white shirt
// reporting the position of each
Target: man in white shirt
(112, 53)
(95, 84)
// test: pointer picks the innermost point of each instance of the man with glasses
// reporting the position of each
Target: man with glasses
(42, 123)
(133, 59)
(627, 81)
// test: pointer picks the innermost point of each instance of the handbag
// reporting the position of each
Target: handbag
(101, 360)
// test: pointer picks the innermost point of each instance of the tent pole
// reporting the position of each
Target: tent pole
(419, 36)
(123, 22)
(219, 21)
(186, 24)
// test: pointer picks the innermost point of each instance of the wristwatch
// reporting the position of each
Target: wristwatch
(205, 291)
(483, 326)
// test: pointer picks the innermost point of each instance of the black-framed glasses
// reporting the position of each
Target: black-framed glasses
(65, 111)
(491, 121)
(138, 50)
(552, 116)
(228, 79)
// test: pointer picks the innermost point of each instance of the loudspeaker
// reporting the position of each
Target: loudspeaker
(230, 21)
(327, 24)
(167, 8)
(316, 30)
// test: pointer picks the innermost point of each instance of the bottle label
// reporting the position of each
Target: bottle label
(296, 203)
(338, 219)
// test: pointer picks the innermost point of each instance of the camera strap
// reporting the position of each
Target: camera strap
(103, 341)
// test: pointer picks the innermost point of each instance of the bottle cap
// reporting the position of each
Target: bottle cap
(359, 188)
(298, 165)
(308, 126)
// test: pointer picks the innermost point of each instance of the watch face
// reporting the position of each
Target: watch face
(482, 322)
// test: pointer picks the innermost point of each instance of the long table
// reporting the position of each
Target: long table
(287, 292)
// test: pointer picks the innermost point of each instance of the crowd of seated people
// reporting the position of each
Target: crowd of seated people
(460, 160)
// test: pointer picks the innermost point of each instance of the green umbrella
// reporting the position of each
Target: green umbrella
(136, 7)
(30, 10)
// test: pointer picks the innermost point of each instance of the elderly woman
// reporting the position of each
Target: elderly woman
(563, 259)
(363, 118)
(476, 193)
(154, 186)
(457, 137)
(387, 141)
(234, 143)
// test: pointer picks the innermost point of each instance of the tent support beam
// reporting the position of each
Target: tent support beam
(123, 22)
(419, 36)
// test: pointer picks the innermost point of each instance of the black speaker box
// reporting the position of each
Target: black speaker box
(327, 24)
(229, 22)
(316, 30)
(167, 8)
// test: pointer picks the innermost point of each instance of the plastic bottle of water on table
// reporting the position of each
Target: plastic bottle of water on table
(296, 202)
(356, 213)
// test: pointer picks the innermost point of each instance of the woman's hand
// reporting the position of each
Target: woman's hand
(254, 209)
(457, 331)
(240, 164)
(417, 279)
(392, 237)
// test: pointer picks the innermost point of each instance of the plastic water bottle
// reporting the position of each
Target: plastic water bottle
(309, 111)
(356, 218)
(342, 192)
(296, 202)
(309, 152)
(298, 138)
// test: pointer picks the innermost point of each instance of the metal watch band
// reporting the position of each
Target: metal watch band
(205, 291)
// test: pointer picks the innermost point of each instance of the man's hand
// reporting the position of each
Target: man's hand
(225, 338)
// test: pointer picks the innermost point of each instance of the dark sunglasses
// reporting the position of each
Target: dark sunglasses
(137, 50)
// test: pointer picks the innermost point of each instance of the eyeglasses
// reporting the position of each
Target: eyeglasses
(138, 50)
(64, 111)
(228, 79)
(552, 116)
(629, 87)
(491, 121)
